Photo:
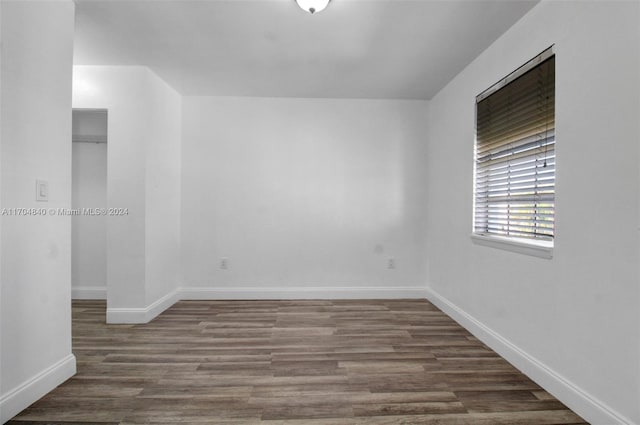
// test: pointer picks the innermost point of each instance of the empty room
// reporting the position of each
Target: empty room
(319, 212)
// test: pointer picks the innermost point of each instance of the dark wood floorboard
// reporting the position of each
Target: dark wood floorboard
(373, 362)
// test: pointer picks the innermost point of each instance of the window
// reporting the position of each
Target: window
(515, 156)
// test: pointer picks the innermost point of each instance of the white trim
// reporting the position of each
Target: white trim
(135, 315)
(160, 305)
(143, 314)
(509, 244)
(89, 293)
(254, 293)
(590, 408)
(19, 398)
(126, 315)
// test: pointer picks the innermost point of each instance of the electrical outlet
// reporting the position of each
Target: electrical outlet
(391, 263)
(224, 263)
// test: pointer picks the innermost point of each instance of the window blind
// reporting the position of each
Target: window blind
(515, 154)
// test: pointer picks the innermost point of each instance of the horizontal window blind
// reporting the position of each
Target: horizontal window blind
(515, 154)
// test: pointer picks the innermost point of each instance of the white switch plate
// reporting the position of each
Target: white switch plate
(42, 190)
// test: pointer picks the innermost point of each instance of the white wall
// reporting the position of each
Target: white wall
(571, 322)
(1, 205)
(304, 197)
(122, 91)
(162, 176)
(89, 232)
(37, 49)
(143, 161)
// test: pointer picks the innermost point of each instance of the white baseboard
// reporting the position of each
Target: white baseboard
(581, 402)
(89, 293)
(143, 314)
(18, 399)
(146, 314)
(253, 293)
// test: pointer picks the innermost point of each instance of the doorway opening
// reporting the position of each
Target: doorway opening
(89, 203)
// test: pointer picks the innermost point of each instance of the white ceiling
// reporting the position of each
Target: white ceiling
(353, 49)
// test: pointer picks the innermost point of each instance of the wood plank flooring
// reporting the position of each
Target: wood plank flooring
(373, 362)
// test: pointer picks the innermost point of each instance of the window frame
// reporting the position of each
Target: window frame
(528, 246)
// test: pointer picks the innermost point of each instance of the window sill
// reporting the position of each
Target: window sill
(535, 249)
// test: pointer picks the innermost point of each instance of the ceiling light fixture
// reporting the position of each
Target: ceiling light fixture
(312, 6)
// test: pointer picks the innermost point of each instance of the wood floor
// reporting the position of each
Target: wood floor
(373, 362)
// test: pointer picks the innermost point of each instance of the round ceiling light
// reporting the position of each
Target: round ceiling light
(313, 6)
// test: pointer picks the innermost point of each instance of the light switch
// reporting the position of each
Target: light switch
(42, 190)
